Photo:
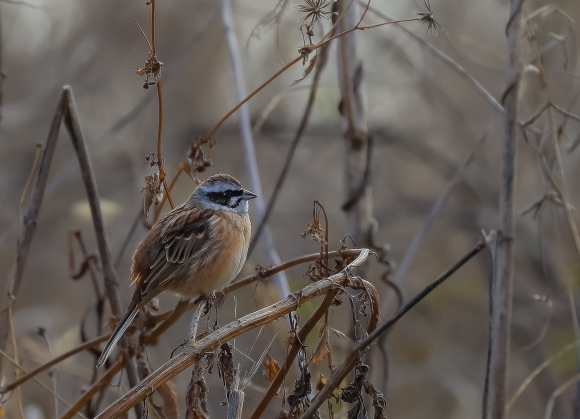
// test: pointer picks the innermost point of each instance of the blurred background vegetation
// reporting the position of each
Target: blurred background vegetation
(424, 118)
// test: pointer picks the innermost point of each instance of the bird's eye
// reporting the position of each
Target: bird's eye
(219, 198)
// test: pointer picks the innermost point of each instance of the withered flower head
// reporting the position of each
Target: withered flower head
(153, 191)
(152, 68)
(196, 158)
(428, 18)
(314, 10)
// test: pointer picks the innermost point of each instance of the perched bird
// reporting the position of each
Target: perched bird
(197, 248)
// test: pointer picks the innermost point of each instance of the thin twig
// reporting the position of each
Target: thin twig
(28, 223)
(72, 123)
(87, 345)
(341, 372)
(52, 373)
(550, 406)
(94, 389)
(503, 287)
(538, 370)
(13, 361)
(303, 334)
(194, 352)
(445, 59)
(321, 61)
(359, 218)
(428, 221)
(249, 148)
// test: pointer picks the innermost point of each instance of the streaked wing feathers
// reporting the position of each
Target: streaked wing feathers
(172, 242)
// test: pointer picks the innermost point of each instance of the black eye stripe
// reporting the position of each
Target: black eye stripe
(224, 198)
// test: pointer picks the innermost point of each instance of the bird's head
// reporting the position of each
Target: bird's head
(222, 192)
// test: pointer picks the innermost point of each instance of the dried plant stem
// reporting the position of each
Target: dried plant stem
(251, 95)
(194, 352)
(72, 122)
(363, 28)
(235, 404)
(428, 221)
(28, 224)
(538, 370)
(197, 313)
(66, 112)
(568, 383)
(321, 61)
(170, 317)
(303, 334)
(159, 131)
(249, 149)
(87, 345)
(503, 285)
(15, 353)
(13, 361)
(169, 189)
(359, 215)
(102, 383)
(444, 58)
(347, 366)
(292, 353)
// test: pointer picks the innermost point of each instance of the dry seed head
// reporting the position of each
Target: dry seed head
(153, 190)
(428, 18)
(314, 10)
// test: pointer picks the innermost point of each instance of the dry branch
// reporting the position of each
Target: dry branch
(194, 352)
(303, 334)
(503, 281)
(249, 149)
(348, 365)
(66, 112)
(359, 216)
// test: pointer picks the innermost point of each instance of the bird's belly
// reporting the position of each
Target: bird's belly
(216, 272)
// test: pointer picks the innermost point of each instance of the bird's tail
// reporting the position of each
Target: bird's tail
(118, 333)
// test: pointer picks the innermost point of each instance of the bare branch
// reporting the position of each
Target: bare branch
(194, 352)
(347, 366)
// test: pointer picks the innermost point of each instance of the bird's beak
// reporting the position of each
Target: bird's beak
(247, 195)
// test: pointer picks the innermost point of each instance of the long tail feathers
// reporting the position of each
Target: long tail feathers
(118, 333)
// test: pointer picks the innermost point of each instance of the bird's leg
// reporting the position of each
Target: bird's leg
(210, 299)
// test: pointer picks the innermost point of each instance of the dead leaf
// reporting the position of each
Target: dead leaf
(271, 368)
(307, 71)
(153, 190)
(338, 333)
(169, 398)
(85, 265)
(321, 351)
(320, 383)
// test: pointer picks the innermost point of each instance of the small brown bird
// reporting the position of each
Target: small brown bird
(197, 248)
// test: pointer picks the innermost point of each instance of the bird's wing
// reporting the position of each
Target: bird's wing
(171, 243)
